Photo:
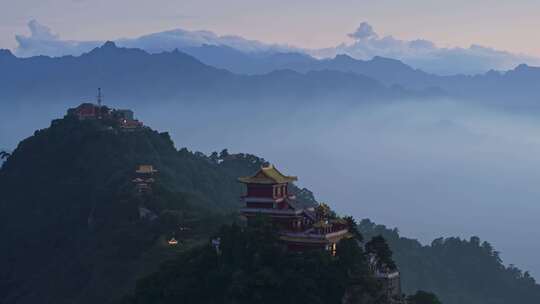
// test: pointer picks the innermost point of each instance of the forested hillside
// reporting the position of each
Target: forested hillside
(73, 224)
(458, 271)
(252, 267)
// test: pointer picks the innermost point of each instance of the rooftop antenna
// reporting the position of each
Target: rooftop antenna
(99, 97)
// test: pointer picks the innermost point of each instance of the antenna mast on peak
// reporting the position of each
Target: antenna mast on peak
(99, 97)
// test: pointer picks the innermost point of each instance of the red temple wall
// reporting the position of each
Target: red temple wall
(259, 205)
(260, 191)
(267, 190)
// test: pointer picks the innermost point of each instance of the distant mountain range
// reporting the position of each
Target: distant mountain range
(515, 85)
(209, 76)
(223, 73)
(367, 43)
(133, 74)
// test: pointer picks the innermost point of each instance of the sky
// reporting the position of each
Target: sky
(503, 25)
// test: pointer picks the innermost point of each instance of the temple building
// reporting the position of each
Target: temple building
(126, 120)
(300, 228)
(123, 118)
(87, 111)
(144, 179)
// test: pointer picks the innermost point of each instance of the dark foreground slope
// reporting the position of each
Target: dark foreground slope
(71, 224)
(251, 267)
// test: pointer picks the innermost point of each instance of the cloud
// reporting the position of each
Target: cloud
(40, 31)
(364, 31)
(179, 38)
(425, 54)
(42, 41)
(366, 44)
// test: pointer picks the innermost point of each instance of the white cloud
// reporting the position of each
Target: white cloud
(424, 54)
(364, 31)
(42, 41)
(366, 44)
(40, 31)
(179, 38)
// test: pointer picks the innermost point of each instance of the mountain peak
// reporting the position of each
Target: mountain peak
(380, 59)
(523, 67)
(343, 57)
(110, 48)
(5, 53)
(109, 45)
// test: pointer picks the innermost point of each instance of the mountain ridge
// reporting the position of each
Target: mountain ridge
(217, 63)
(387, 70)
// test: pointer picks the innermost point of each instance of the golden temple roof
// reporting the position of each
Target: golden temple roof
(268, 175)
(146, 169)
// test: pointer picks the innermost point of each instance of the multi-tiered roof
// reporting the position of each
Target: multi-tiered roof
(300, 228)
(268, 175)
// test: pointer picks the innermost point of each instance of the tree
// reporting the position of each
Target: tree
(224, 154)
(378, 247)
(423, 297)
(214, 157)
(353, 228)
(4, 155)
(252, 267)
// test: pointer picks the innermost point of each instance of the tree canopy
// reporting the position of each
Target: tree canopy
(457, 270)
(69, 213)
(253, 267)
(422, 297)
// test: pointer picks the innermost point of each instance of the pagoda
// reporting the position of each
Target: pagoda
(144, 179)
(300, 228)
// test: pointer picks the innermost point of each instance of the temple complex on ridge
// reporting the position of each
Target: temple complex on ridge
(123, 118)
(299, 227)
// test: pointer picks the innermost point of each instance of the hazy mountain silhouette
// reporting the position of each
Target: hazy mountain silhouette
(133, 74)
(515, 85)
(132, 77)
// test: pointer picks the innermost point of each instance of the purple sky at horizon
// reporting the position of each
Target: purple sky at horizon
(509, 26)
